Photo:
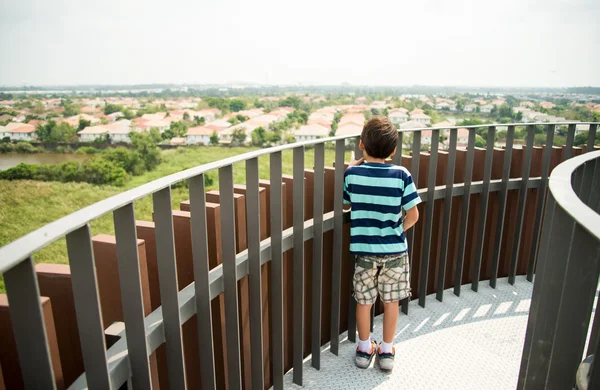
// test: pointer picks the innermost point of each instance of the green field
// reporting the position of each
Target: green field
(29, 205)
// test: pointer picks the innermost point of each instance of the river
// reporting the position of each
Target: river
(9, 160)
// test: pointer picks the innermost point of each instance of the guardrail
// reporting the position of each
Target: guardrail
(560, 330)
(127, 359)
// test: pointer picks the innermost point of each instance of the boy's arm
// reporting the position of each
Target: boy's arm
(412, 216)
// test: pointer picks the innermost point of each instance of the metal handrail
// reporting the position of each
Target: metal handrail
(566, 282)
(562, 189)
(18, 250)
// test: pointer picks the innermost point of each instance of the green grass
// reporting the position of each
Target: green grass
(28, 205)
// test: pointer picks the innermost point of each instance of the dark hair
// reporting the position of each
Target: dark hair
(380, 137)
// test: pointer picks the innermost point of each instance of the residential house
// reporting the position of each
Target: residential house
(218, 124)
(311, 132)
(416, 111)
(398, 116)
(442, 105)
(497, 102)
(119, 131)
(470, 108)
(199, 135)
(19, 118)
(209, 114)
(444, 125)
(160, 124)
(527, 104)
(20, 132)
(411, 125)
(421, 118)
(361, 100)
(480, 101)
(320, 121)
(529, 116)
(6, 103)
(547, 105)
(462, 137)
(426, 137)
(486, 109)
(91, 133)
(349, 128)
(3, 133)
(179, 141)
(6, 117)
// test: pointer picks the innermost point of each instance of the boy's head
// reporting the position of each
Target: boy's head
(379, 137)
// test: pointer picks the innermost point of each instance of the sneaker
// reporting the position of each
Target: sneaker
(386, 360)
(363, 359)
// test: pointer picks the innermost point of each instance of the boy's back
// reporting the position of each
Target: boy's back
(377, 194)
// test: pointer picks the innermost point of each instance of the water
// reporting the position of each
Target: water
(9, 160)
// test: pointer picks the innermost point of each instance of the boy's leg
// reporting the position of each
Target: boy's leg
(365, 293)
(363, 322)
(393, 286)
(390, 320)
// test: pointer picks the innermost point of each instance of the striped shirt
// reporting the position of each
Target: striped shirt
(377, 194)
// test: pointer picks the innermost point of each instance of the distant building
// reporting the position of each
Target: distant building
(398, 116)
(487, 108)
(527, 104)
(547, 105)
(470, 108)
(19, 132)
(199, 135)
(411, 125)
(311, 132)
(421, 118)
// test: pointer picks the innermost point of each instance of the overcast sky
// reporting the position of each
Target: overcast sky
(550, 43)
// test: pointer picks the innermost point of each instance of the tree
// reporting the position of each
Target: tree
(38, 108)
(145, 145)
(199, 120)
(167, 134)
(505, 111)
(479, 141)
(241, 118)
(112, 108)
(236, 105)
(186, 116)
(238, 137)
(83, 124)
(214, 138)
(233, 120)
(53, 132)
(219, 103)
(259, 136)
(70, 110)
(291, 101)
(258, 104)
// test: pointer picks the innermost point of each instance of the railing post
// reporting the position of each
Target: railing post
(317, 270)
(502, 207)
(230, 276)
(541, 201)
(414, 170)
(28, 326)
(485, 194)
(431, 176)
(298, 265)
(447, 213)
(336, 282)
(521, 209)
(199, 232)
(464, 216)
(276, 269)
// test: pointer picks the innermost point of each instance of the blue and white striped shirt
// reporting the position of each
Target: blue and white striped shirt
(377, 194)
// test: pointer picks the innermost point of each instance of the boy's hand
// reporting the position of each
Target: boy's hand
(354, 163)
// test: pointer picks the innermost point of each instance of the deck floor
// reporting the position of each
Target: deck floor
(473, 341)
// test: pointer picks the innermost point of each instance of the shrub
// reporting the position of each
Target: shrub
(127, 159)
(25, 147)
(88, 150)
(101, 171)
(6, 148)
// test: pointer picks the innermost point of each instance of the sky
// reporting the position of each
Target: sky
(509, 43)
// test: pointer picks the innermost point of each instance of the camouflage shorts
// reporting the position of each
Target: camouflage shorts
(388, 276)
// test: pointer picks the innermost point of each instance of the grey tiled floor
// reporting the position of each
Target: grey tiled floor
(471, 342)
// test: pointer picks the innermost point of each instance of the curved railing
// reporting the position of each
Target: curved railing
(127, 359)
(560, 329)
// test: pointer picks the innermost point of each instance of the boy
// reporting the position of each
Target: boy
(377, 192)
